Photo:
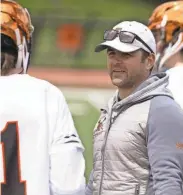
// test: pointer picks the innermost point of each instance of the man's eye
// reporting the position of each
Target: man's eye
(110, 52)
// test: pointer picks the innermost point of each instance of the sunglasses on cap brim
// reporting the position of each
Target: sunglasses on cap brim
(124, 37)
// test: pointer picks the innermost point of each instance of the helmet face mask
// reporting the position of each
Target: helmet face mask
(167, 23)
(16, 24)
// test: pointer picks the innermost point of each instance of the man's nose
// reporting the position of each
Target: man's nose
(116, 63)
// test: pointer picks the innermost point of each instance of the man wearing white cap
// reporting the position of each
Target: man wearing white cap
(138, 140)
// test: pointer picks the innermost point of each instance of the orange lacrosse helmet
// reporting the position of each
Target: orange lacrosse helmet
(16, 24)
(167, 19)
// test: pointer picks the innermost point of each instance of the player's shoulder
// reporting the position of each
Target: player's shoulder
(52, 91)
(177, 70)
(29, 84)
(49, 87)
(39, 82)
(24, 81)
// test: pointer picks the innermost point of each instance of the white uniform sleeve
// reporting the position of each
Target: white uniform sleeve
(175, 84)
(67, 164)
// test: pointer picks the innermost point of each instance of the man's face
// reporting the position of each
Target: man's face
(126, 69)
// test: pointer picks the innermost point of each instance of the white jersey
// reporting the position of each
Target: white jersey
(176, 83)
(40, 153)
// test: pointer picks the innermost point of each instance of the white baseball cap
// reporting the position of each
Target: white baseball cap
(137, 28)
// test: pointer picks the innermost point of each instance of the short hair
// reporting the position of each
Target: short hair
(8, 61)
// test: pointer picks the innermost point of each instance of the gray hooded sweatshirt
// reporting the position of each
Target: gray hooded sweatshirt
(138, 144)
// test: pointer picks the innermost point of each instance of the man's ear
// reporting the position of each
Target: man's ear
(150, 62)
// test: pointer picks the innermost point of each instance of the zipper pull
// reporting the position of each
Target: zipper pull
(137, 189)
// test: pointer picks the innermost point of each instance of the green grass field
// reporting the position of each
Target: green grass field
(84, 105)
(82, 8)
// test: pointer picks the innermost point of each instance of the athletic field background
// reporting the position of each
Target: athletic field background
(61, 25)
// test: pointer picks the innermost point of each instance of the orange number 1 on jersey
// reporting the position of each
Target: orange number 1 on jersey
(12, 185)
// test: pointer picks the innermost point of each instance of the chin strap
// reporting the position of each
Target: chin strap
(23, 54)
(171, 50)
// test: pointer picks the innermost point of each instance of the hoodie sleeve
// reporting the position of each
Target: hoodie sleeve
(165, 146)
(89, 187)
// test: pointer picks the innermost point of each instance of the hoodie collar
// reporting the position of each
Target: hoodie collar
(155, 85)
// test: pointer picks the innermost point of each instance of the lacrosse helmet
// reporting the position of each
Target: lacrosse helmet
(16, 31)
(167, 20)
